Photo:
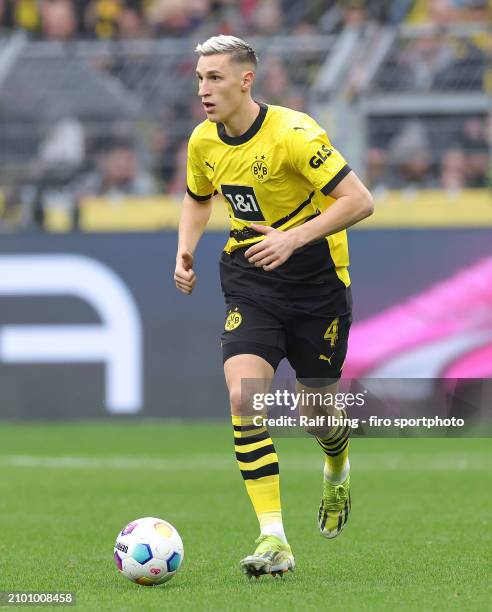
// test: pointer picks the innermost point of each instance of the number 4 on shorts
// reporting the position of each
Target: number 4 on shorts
(331, 332)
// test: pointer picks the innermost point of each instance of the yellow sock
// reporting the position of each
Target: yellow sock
(337, 465)
(258, 463)
(336, 449)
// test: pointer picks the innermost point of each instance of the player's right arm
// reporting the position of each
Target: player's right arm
(195, 214)
(192, 224)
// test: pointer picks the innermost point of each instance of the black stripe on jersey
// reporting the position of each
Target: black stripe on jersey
(247, 232)
(267, 470)
(252, 131)
(330, 186)
(255, 454)
(197, 197)
(251, 439)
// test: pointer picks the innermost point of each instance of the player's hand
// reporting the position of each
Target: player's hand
(274, 250)
(183, 275)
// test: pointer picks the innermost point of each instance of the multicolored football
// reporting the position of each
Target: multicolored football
(148, 551)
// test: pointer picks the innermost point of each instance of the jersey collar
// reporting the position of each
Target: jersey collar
(253, 129)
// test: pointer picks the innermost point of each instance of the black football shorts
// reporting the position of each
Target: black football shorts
(307, 323)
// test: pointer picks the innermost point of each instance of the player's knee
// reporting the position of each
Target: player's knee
(241, 402)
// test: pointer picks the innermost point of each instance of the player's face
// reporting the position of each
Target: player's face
(220, 86)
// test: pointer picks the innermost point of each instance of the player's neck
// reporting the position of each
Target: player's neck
(240, 123)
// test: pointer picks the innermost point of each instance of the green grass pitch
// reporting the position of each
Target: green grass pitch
(419, 536)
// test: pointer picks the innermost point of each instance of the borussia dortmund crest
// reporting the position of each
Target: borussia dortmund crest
(233, 320)
(259, 168)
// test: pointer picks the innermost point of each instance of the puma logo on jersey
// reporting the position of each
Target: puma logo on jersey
(210, 166)
(325, 358)
(321, 156)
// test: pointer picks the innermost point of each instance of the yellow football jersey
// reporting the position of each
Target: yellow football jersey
(279, 173)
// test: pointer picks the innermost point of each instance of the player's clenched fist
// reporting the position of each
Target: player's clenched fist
(183, 275)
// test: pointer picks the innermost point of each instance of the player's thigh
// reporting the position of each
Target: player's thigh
(253, 343)
(317, 347)
(253, 328)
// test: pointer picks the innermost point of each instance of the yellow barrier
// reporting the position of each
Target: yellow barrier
(396, 209)
(431, 208)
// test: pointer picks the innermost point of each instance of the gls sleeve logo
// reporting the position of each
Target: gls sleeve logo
(243, 201)
(321, 156)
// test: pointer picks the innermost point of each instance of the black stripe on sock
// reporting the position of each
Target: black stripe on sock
(335, 443)
(267, 470)
(336, 437)
(253, 455)
(247, 427)
(251, 439)
(345, 433)
(336, 451)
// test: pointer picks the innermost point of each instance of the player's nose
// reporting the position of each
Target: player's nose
(203, 90)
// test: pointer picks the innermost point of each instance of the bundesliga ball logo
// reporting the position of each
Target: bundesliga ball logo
(148, 551)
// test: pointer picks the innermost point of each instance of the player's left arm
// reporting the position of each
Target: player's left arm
(353, 202)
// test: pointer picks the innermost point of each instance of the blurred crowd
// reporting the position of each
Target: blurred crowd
(102, 19)
(437, 60)
(73, 159)
(451, 153)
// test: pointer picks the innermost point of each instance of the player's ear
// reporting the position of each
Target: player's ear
(247, 80)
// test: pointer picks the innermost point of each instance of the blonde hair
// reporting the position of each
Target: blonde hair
(238, 49)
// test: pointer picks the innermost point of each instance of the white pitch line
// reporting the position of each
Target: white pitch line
(117, 463)
(292, 462)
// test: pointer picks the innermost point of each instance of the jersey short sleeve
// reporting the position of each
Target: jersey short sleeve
(313, 155)
(197, 184)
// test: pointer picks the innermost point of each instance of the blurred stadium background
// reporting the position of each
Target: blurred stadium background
(97, 99)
